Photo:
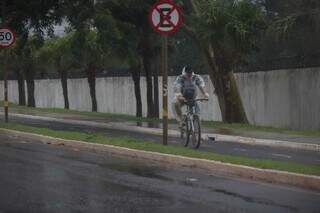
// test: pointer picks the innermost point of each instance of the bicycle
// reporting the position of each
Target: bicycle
(191, 125)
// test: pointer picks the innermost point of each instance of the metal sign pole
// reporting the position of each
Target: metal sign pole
(165, 88)
(6, 105)
(165, 18)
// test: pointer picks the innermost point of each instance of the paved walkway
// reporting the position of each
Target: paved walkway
(222, 131)
(231, 135)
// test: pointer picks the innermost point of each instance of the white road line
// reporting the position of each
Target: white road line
(192, 179)
(281, 155)
(240, 149)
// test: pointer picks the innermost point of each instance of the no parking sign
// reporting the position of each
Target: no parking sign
(165, 17)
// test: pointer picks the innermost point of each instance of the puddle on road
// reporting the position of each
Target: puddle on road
(151, 125)
(121, 165)
(253, 200)
(223, 131)
(143, 172)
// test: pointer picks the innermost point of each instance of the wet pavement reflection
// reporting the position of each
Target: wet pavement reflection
(36, 177)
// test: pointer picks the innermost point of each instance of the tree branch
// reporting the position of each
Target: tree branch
(207, 49)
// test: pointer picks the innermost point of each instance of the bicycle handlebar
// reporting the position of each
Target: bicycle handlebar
(197, 99)
(201, 99)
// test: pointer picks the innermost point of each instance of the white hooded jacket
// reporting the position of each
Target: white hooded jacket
(183, 81)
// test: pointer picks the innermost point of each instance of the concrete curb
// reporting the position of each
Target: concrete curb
(206, 166)
(174, 133)
(266, 142)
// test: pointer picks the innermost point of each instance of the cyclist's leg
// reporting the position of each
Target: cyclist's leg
(197, 108)
(177, 105)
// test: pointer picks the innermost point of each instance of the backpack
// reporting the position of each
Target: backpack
(189, 89)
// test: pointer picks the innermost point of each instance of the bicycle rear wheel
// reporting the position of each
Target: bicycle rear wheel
(188, 131)
(196, 133)
(183, 128)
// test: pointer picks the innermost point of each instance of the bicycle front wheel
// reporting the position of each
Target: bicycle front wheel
(196, 133)
(188, 131)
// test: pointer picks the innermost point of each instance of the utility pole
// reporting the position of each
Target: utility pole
(165, 88)
(165, 18)
(5, 72)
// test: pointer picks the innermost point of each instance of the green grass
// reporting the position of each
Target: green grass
(249, 127)
(112, 116)
(182, 151)
(124, 117)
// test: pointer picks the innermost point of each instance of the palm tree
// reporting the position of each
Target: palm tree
(226, 31)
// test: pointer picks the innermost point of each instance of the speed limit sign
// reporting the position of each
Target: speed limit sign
(7, 37)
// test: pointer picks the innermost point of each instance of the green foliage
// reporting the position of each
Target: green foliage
(292, 39)
(38, 16)
(230, 26)
(57, 53)
(287, 16)
(123, 26)
(29, 53)
(86, 49)
(79, 13)
(13, 57)
(184, 51)
(109, 33)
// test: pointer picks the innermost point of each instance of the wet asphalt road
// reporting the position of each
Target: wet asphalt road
(251, 151)
(36, 177)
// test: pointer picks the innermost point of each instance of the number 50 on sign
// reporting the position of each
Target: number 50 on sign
(7, 37)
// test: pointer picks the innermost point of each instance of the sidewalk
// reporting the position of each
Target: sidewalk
(220, 134)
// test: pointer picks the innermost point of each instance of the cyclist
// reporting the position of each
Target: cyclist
(185, 88)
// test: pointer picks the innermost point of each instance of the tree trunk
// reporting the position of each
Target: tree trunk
(223, 80)
(23, 38)
(148, 71)
(222, 77)
(21, 88)
(230, 103)
(147, 54)
(64, 83)
(91, 75)
(156, 88)
(136, 73)
(30, 87)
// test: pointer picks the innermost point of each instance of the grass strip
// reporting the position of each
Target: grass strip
(112, 116)
(250, 127)
(181, 151)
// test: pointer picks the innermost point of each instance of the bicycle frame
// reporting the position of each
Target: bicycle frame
(190, 117)
(191, 110)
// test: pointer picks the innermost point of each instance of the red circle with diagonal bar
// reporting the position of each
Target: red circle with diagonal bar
(165, 17)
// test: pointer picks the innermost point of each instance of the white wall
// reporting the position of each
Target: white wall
(282, 98)
(48, 94)
(13, 92)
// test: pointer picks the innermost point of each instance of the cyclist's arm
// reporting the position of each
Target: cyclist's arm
(200, 83)
(178, 85)
(202, 89)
